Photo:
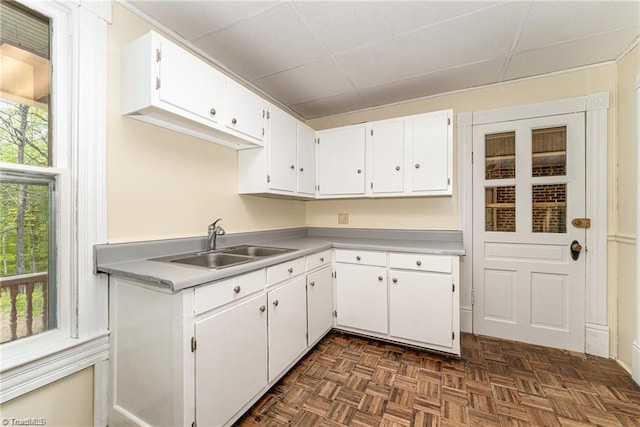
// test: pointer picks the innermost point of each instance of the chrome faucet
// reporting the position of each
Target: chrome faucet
(214, 231)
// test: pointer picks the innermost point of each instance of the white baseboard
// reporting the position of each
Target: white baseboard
(597, 340)
(635, 361)
(466, 319)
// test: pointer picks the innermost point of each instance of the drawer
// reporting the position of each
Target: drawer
(217, 294)
(422, 262)
(316, 260)
(361, 257)
(286, 270)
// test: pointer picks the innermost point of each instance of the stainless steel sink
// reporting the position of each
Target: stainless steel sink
(255, 251)
(226, 257)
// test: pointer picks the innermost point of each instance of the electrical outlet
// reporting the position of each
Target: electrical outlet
(343, 218)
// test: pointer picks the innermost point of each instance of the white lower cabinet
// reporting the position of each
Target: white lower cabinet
(420, 307)
(231, 360)
(361, 297)
(287, 325)
(319, 303)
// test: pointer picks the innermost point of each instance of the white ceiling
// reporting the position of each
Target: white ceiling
(321, 58)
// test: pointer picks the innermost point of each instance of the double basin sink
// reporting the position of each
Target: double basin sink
(226, 257)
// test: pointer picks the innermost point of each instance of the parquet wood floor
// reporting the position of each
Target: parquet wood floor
(352, 381)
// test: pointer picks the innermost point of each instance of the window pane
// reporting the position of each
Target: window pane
(25, 83)
(549, 150)
(550, 208)
(500, 209)
(26, 287)
(500, 155)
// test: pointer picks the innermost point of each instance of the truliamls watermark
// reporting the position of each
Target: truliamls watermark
(32, 421)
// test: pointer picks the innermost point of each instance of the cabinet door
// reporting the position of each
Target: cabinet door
(319, 303)
(230, 360)
(282, 150)
(306, 159)
(431, 146)
(287, 325)
(421, 307)
(341, 161)
(361, 297)
(189, 83)
(387, 157)
(246, 111)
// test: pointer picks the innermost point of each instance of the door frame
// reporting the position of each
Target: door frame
(595, 106)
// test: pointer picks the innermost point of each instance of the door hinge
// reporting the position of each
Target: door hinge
(472, 157)
(307, 335)
(157, 83)
(263, 114)
(453, 287)
(473, 296)
(371, 132)
(335, 313)
(194, 344)
(453, 335)
(194, 424)
(318, 187)
(448, 181)
(158, 55)
(268, 178)
(268, 115)
(448, 121)
(372, 185)
(317, 140)
(262, 131)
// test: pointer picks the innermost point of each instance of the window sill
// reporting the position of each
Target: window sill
(46, 361)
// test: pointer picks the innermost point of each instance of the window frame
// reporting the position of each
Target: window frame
(78, 157)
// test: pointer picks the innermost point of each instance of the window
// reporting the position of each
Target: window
(52, 190)
(27, 195)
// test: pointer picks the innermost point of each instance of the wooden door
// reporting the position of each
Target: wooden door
(529, 183)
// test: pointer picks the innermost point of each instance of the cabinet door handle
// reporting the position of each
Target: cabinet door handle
(394, 280)
(312, 284)
(358, 258)
(236, 289)
(275, 303)
(213, 111)
(262, 308)
(290, 270)
(301, 169)
(234, 121)
(417, 165)
(418, 263)
(397, 168)
(292, 167)
(359, 170)
(380, 278)
(321, 259)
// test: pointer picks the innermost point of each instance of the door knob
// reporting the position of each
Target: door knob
(576, 247)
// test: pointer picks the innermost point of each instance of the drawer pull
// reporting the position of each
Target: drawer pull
(275, 303)
(418, 263)
(236, 289)
(394, 280)
(312, 284)
(234, 121)
(262, 308)
(321, 259)
(290, 270)
(358, 258)
(380, 278)
(212, 111)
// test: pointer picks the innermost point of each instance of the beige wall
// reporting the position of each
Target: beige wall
(161, 184)
(67, 402)
(441, 212)
(625, 238)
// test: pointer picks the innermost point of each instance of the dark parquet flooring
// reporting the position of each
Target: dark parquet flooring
(352, 381)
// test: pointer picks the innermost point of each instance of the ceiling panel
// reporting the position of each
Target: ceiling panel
(337, 104)
(273, 41)
(551, 23)
(481, 36)
(590, 50)
(345, 25)
(311, 81)
(194, 18)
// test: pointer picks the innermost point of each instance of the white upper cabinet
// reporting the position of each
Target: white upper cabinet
(387, 144)
(168, 86)
(246, 112)
(431, 153)
(306, 160)
(341, 161)
(282, 150)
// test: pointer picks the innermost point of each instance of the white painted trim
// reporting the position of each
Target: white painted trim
(596, 340)
(465, 217)
(635, 361)
(101, 393)
(622, 238)
(595, 106)
(466, 319)
(54, 366)
(635, 350)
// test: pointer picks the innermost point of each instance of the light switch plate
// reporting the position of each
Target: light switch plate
(343, 218)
